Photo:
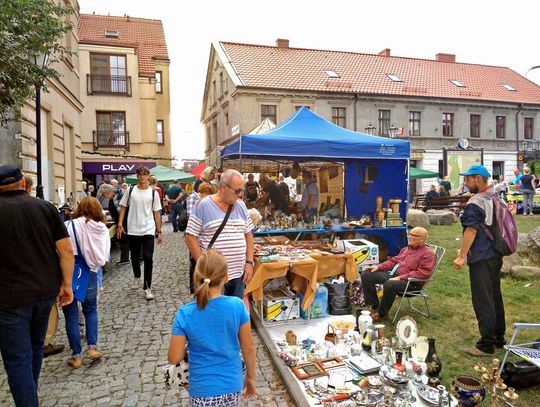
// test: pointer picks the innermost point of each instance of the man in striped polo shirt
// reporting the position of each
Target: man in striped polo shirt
(235, 241)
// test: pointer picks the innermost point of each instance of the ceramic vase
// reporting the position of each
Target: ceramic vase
(363, 321)
(468, 390)
(399, 363)
(382, 340)
(433, 362)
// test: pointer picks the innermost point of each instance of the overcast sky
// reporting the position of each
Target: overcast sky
(490, 32)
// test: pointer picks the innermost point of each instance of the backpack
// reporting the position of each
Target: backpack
(503, 232)
(124, 223)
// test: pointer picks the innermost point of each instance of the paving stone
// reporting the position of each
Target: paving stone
(134, 336)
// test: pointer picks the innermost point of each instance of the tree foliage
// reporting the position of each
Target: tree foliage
(28, 28)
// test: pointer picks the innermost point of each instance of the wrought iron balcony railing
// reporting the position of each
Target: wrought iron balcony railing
(108, 85)
(109, 140)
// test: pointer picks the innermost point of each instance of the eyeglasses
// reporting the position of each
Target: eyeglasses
(236, 191)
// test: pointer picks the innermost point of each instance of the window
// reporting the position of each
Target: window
(509, 87)
(414, 123)
(528, 128)
(159, 88)
(111, 129)
(457, 83)
(332, 74)
(448, 124)
(339, 116)
(160, 132)
(394, 77)
(475, 126)
(108, 74)
(297, 108)
(269, 111)
(111, 33)
(500, 126)
(214, 91)
(221, 87)
(384, 122)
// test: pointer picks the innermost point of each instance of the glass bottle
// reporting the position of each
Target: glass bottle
(433, 362)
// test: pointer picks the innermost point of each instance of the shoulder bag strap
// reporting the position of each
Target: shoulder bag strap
(79, 252)
(218, 231)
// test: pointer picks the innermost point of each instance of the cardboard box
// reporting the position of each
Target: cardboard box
(364, 252)
(280, 305)
(319, 307)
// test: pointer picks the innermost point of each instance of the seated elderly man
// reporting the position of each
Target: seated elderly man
(416, 260)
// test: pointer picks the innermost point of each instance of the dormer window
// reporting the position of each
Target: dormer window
(333, 74)
(457, 83)
(111, 33)
(394, 77)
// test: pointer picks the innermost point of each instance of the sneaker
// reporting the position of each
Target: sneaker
(94, 354)
(50, 349)
(136, 282)
(149, 295)
(122, 262)
(75, 363)
(377, 317)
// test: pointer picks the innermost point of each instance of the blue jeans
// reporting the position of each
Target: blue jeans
(176, 209)
(22, 333)
(71, 314)
(234, 288)
(528, 196)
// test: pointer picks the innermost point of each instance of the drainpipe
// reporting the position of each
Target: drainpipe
(519, 109)
(355, 101)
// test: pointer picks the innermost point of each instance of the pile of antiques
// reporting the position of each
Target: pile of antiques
(359, 364)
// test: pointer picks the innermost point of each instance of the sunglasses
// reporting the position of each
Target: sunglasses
(236, 191)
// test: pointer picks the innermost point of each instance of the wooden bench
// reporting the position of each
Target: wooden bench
(454, 202)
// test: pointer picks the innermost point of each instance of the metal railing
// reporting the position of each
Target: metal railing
(108, 85)
(111, 140)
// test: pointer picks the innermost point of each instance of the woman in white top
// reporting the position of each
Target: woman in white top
(88, 233)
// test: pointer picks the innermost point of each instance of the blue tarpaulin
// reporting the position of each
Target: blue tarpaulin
(307, 135)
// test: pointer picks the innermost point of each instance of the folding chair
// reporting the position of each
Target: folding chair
(415, 291)
(522, 350)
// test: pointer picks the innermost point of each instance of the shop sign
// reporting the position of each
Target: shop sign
(114, 167)
(417, 155)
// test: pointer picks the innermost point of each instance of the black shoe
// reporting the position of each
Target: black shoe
(51, 349)
(122, 262)
(175, 230)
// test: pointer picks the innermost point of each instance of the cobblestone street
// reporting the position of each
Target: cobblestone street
(134, 336)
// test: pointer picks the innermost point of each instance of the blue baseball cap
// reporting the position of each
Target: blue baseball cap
(477, 170)
(9, 174)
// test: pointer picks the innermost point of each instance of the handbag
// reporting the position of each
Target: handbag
(81, 272)
(177, 375)
(183, 221)
(339, 301)
(357, 294)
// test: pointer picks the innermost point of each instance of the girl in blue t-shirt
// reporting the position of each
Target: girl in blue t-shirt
(216, 328)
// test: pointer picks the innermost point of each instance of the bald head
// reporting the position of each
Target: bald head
(418, 236)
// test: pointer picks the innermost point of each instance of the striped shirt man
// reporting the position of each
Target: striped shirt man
(205, 219)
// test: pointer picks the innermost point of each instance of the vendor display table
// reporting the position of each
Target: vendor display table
(395, 236)
(519, 198)
(303, 275)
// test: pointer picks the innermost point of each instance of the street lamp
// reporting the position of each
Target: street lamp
(41, 60)
(370, 129)
(532, 68)
(392, 130)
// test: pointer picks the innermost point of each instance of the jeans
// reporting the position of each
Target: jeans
(391, 288)
(528, 196)
(176, 209)
(22, 332)
(89, 308)
(234, 288)
(147, 244)
(485, 277)
(100, 277)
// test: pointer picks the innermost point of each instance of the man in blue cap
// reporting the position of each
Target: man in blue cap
(484, 263)
(36, 268)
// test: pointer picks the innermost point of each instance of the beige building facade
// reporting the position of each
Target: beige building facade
(125, 90)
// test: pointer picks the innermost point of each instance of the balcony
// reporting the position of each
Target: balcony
(529, 149)
(109, 140)
(108, 85)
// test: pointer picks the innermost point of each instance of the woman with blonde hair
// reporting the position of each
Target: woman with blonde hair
(216, 327)
(90, 239)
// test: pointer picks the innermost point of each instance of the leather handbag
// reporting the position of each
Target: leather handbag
(331, 335)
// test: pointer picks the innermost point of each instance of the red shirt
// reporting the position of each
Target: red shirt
(416, 262)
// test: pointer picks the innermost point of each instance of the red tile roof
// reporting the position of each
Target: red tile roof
(304, 69)
(146, 36)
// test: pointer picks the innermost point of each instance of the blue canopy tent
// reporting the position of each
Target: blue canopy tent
(373, 166)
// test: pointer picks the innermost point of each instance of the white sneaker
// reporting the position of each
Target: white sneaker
(136, 282)
(149, 295)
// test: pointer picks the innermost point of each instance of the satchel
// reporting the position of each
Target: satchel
(520, 375)
(81, 272)
(177, 375)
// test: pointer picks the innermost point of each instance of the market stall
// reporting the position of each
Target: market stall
(165, 174)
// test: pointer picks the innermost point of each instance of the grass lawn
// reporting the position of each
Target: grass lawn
(452, 320)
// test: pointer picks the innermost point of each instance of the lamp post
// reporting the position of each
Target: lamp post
(370, 129)
(40, 59)
(531, 68)
(392, 131)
